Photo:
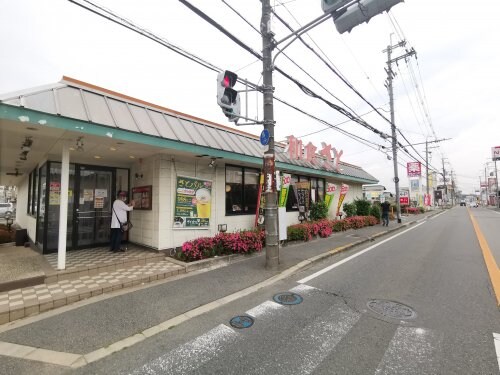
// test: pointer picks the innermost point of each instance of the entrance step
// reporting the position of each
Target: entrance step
(19, 303)
(90, 262)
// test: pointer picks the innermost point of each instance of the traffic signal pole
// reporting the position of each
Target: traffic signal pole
(270, 193)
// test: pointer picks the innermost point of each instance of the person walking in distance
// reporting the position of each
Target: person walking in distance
(118, 217)
(385, 213)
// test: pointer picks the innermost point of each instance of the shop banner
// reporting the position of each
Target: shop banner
(193, 202)
(404, 198)
(302, 194)
(427, 199)
(259, 212)
(330, 192)
(414, 169)
(343, 192)
(285, 188)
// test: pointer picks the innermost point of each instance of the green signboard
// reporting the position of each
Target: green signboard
(193, 202)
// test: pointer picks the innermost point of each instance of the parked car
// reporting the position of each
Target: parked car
(7, 210)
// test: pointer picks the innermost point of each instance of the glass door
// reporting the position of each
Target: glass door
(93, 200)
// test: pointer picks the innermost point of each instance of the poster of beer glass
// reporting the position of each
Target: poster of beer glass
(193, 202)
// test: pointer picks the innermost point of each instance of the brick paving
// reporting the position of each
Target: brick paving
(88, 273)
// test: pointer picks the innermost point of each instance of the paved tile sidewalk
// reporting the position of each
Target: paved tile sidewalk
(19, 303)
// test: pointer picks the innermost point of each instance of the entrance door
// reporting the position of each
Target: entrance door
(93, 200)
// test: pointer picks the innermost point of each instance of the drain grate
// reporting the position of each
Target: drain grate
(241, 321)
(288, 298)
(391, 309)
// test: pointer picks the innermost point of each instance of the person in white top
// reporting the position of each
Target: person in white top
(119, 215)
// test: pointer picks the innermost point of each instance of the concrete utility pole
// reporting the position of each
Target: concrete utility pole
(390, 77)
(271, 196)
(444, 182)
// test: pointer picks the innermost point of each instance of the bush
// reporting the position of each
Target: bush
(299, 232)
(318, 211)
(375, 211)
(362, 207)
(349, 209)
(243, 242)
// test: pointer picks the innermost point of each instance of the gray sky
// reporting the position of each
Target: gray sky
(455, 75)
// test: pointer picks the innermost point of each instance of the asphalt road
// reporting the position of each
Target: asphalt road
(419, 302)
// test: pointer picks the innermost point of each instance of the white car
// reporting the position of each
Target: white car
(7, 210)
(473, 204)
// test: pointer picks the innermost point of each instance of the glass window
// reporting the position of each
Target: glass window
(34, 193)
(321, 190)
(242, 190)
(28, 208)
(291, 203)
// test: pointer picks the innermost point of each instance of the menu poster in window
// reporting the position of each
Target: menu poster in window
(142, 196)
(302, 190)
(193, 202)
(54, 193)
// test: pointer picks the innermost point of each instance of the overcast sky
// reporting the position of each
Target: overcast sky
(450, 91)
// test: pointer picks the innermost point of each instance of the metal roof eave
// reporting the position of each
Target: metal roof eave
(21, 114)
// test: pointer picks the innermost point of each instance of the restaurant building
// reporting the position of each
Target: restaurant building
(75, 145)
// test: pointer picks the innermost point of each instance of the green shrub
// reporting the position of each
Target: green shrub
(318, 211)
(349, 209)
(375, 211)
(362, 207)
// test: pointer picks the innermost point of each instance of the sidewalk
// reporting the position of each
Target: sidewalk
(30, 284)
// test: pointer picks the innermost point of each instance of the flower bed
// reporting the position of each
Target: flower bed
(244, 242)
(324, 228)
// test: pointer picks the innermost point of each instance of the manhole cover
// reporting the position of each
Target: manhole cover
(288, 298)
(241, 322)
(391, 309)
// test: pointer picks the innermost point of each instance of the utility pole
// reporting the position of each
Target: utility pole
(271, 196)
(390, 77)
(444, 182)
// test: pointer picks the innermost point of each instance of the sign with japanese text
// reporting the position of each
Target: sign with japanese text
(404, 198)
(495, 153)
(193, 202)
(343, 192)
(414, 169)
(142, 196)
(330, 193)
(285, 188)
(328, 157)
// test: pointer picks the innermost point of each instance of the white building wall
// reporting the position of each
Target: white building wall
(22, 217)
(154, 228)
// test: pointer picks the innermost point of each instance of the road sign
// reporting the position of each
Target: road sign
(495, 153)
(264, 137)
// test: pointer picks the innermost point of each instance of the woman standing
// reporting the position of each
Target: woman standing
(119, 216)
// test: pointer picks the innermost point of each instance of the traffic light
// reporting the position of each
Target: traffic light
(227, 97)
(361, 11)
(331, 5)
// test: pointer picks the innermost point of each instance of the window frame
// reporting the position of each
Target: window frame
(242, 194)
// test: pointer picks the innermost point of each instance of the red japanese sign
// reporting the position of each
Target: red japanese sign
(414, 169)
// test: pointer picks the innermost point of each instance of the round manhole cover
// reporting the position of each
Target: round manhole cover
(288, 298)
(391, 309)
(241, 322)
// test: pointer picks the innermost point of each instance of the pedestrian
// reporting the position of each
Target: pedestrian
(385, 213)
(118, 217)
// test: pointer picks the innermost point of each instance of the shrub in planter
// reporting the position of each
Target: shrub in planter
(349, 209)
(299, 232)
(362, 207)
(318, 211)
(375, 211)
(371, 221)
(338, 225)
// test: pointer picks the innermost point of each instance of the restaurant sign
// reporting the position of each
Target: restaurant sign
(193, 198)
(328, 157)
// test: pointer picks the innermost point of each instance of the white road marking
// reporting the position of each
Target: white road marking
(192, 355)
(496, 339)
(410, 352)
(314, 342)
(329, 268)
(442, 213)
(265, 309)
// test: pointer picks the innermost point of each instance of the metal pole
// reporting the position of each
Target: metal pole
(270, 206)
(496, 178)
(63, 209)
(393, 129)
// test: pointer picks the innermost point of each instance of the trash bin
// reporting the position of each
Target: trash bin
(21, 237)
